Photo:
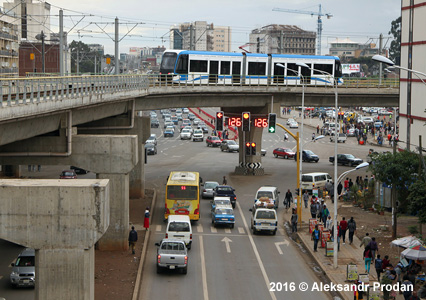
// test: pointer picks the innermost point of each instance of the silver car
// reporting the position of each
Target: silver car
(208, 189)
(229, 145)
(186, 134)
(23, 270)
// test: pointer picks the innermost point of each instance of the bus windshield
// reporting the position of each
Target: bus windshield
(168, 63)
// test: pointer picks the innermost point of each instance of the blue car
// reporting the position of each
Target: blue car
(169, 132)
(221, 201)
(223, 215)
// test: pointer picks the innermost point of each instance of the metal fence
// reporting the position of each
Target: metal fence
(36, 89)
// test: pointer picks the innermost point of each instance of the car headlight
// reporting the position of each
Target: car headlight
(14, 274)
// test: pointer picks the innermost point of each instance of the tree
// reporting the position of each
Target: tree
(417, 199)
(395, 46)
(85, 56)
(397, 170)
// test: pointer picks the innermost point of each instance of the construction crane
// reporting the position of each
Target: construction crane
(312, 13)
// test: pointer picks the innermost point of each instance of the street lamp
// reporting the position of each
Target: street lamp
(387, 61)
(299, 155)
(360, 166)
(335, 155)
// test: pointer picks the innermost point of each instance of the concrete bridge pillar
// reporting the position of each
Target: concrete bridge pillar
(61, 220)
(250, 164)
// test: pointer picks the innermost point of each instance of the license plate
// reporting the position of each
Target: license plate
(25, 281)
(171, 267)
(223, 219)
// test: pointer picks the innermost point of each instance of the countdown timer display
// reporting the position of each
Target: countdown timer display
(257, 122)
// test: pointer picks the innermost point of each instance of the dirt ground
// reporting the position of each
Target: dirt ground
(371, 222)
(116, 271)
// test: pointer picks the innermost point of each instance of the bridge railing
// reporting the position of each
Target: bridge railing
(36, 89)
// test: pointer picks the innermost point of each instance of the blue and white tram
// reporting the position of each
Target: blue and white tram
(226, 68)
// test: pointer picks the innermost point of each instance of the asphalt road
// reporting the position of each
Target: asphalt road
(247, 267)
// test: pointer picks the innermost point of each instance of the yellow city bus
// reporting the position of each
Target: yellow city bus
(183, 194)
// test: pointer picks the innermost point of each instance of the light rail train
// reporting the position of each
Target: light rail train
(226, 68)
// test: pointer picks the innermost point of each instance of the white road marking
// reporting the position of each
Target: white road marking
(203, 269)
(256, 253)
(227, 230)
(227, 240)
(213, 229)
(158, 228)
(241, 230)
(278, 245)
(200, 228)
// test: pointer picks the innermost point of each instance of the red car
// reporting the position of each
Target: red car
(213, 141)
(68, 174)
(283, 152)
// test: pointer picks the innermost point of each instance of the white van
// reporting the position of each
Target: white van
(264, 219)
(271, 192)
(179, 228)
(315, 180)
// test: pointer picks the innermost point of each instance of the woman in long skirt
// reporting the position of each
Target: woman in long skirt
(146, 219)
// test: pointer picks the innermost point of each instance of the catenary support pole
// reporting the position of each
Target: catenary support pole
(117, 58)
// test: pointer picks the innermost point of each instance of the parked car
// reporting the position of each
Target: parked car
(229, 145)
(150, 149)
(23, 269)
(213, 141)
(68, 174)
(78, 170)
(226, 191)
(169, 133)
(208, 187)
(308, 155)
(346, 159)
(283, 152)
(172, 254)
(223, 215)
(341, 138)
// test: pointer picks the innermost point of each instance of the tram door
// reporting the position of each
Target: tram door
(306, 73)
(214, 71)
(236, 72)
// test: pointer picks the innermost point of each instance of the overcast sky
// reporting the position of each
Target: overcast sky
(359, 20)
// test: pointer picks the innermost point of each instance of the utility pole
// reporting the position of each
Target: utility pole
(380, 53)
(117, 59)
(43, 70)
(78, 59)
(61, 42)
(394, 220)
(258, 45)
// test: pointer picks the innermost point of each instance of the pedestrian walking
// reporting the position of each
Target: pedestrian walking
(306, 198)
(285, 137)
(407, 288)
(343, 228)
(378, 264)
(325, 214)
(338, 235)
(313, 209)
(224, 181)
(374, 248)
(350, 183)
(146, 219)
(339, 188)
(365, 240)
(288, 199)
(313, 136)
(346, 184)
(367, 259)
(329, 224)
(133, 238)
(315, 237)
(351, 229)
(318, 129)
(294, 219)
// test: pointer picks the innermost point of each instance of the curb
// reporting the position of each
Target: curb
(316, 260)
(143, 254)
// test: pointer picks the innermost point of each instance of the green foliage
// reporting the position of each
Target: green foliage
(395, 46)
(85, 57)
(413, 229)
(417, 199)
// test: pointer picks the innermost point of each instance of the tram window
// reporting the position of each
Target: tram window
(225, 67)
(198, 66)
(182, 65)
(292, 70)
(256, 68)
(323, 67)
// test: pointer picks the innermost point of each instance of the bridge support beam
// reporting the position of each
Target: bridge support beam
(61, 220)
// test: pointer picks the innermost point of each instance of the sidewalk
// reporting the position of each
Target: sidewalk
(348, 254)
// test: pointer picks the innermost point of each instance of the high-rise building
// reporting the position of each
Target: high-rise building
(412, 87)
(34, 18)
(285, 39)
(200, 36)
(9, 41)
